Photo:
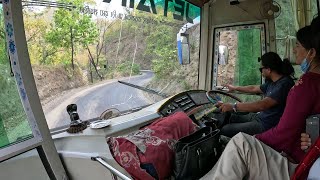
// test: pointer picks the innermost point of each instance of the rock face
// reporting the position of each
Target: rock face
(51, 81)
(226, 72)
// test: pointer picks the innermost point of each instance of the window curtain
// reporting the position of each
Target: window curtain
(302, 17)
(302, 13)
(290, 44)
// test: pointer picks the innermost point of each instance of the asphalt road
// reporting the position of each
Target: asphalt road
(92, 101)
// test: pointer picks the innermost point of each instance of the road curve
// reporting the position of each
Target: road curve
(92, 101)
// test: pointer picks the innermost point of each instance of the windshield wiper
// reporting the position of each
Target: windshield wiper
(148, 90)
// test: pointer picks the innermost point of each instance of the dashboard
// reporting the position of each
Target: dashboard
(185, 101)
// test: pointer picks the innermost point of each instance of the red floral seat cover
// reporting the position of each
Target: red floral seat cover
(152, 144)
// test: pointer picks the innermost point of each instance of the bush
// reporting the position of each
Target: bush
(126, 68)
(11, 109)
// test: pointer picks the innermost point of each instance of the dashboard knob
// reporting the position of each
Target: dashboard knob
(171, 107)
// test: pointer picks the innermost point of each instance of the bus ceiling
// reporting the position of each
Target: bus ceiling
(201, 3)
(198, 3)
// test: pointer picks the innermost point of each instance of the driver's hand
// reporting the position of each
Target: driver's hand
(224, 107)
(230, 87)
(305, 141)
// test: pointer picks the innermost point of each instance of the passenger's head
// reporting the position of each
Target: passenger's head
(271, 63)
(307, 48)
(304, 45)
(315, 29)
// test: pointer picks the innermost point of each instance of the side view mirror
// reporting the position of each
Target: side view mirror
(184, 49)
(223, 55)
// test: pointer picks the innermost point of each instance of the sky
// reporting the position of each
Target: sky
(100, 5)
(113, 5)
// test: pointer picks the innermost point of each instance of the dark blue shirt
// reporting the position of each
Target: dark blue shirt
(278, 91)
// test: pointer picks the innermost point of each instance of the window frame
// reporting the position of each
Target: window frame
(236, 26)
(18, 147)
(41, 140)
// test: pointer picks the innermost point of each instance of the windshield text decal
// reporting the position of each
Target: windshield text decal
(181, 8)
(116, 15)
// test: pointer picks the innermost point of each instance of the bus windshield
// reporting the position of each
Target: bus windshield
(81, 49)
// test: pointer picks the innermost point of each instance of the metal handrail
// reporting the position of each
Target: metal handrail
(113, 171)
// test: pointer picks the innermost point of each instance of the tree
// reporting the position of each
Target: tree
(1, 24)
(72, 29)
(3, 53)
(36, 25)
(163, 50)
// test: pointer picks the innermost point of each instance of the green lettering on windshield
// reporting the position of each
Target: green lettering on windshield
(180, 9)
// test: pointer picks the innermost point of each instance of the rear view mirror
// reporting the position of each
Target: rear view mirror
(223, 55)
(184, 49)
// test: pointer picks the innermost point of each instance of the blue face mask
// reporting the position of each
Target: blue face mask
(305, 65)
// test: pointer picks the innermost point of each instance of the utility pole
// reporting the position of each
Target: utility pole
(90, 70)
(72, 48)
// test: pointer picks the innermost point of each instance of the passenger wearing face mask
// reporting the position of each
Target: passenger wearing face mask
(305, 65)
(275, 153)
(265, 113)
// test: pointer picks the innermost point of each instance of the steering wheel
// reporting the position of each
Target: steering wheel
(214, 96)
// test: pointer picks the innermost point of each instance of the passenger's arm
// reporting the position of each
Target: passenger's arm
(305, 141)
(286, 135)
(253, 89)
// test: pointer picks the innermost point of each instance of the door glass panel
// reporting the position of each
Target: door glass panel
(249, 50)
(14, 126)
(237, 50)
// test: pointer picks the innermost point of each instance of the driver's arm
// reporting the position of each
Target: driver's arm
(252, 89)
(257, 106)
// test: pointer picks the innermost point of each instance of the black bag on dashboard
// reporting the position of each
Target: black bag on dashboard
(196, 154)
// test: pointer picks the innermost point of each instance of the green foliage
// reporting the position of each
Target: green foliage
(160, 40)
(50, 43)
(11, 109)
(40, 51)
(3, 134)
(3, 59)
(127, 67)
(163, 50)
(165, 65)
(84, 31)
(249, 49)
(3, 53)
